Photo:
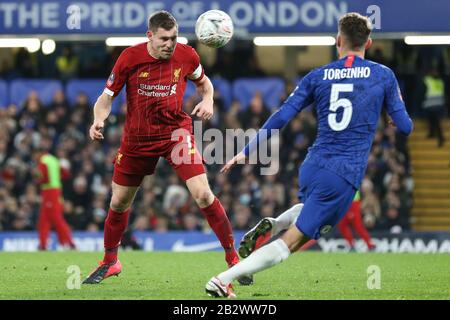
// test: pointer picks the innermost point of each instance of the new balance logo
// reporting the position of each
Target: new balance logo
(173, 90)
(143, 74)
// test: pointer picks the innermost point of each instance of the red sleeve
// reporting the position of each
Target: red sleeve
(118, 76)
(196, 71)
(43, 178)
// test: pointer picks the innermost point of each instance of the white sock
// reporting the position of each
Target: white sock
(263, 258)
(286, 219)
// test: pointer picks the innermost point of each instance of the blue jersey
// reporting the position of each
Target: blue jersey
(348, 95)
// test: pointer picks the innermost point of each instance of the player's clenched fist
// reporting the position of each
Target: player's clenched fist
(95, 132)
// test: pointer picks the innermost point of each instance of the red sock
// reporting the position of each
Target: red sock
(346, 232)
(218, 221)
(362, 232)
(115, 225)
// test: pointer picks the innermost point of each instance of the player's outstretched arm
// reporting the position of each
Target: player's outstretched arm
(204, 109)
(102, 109)
(237, 159)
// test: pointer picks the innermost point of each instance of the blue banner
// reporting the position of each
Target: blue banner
(407, 242)
(93, 241)
(250, 17)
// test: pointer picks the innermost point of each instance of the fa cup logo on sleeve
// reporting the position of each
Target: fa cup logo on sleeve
(110, 79)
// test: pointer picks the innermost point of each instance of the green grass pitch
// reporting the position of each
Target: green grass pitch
(166, 276)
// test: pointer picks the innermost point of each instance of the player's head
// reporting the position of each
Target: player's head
(162, 34)
(43, 147)
(354, 33)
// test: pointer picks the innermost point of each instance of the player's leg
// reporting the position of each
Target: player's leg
(262, 259)
(360, 229)
(431, 124)
(266, 229)
(215, 214)
(344, 228)
(267, 256)
(115, 224)
(217, 218)
(117, 219)
(307, 245)
(286, 219)
(127, 177)
(43, 226)
(326, 198)
(184, 157)
(61, 226)
(124, 189)
(188, 164)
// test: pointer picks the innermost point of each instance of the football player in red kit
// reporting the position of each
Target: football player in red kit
(155, 74)
(353, 219)
(49, 174)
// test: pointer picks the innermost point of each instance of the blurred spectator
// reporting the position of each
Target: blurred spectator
(378, 56)
(406, 65)
(224, 66)
(433, 104)
(31, 111)
(256, 113)
(25, 64)
(242, 217)
(176, 195)
(393, 221)
(370, 205)
(163, 203)
(7, 72)
(253, 68)
(162, 225)
(67, 64)
(191, 223)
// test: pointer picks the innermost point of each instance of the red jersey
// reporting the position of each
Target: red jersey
(155, 90)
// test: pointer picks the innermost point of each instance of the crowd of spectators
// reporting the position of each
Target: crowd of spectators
(163, 202)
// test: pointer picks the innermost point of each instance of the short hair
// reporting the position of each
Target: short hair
(355, 28)
(161, 19)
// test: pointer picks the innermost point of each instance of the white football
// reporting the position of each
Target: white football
(214, 28)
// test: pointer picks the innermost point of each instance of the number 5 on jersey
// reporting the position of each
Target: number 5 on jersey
(336, 103)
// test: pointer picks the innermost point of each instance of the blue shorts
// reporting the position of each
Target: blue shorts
(326, 198)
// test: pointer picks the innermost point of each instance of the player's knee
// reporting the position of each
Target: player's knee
(298, 207)
(119, 204)
(203, 197)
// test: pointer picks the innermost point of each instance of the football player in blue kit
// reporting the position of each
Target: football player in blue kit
(348, 95)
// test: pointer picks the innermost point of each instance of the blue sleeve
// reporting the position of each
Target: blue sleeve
(299, 99)
(402, 121)
(395, 106)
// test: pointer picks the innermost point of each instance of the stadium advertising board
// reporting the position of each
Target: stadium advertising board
(250, 17)
(432, 242)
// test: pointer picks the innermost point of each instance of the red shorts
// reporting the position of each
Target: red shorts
(130, 169)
